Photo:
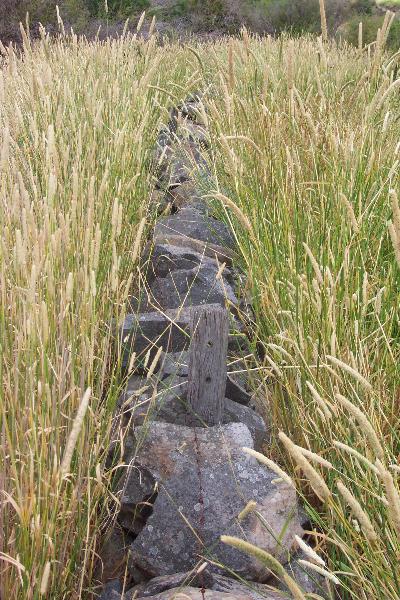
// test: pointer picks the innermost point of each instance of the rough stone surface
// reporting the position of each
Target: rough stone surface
(160, 202)
(135, 384)
(219, 253)
(192, 287)
(192, 224)
(163, 259)
(179, 163)
(256, 591)
(195, 133)
(110, 594)
(169, 329)
(189, 593)
(168, 582)
(170, 405)
(237, 413)
(219, 480)
(211, 581)
(175, 363)
(188, 195)
(113, 555)
(235, 389)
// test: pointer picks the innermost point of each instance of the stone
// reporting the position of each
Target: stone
(135, 384)
(168, 582)
(190, 223)
(237, 413)
(219, 253)
(192, 109)
(188, 195)
(213, 581)
(137, 491)
(191, 287)
(189, 593)
(111, 590)
(112, 558)
(235, 391)
(179, 163)
(205, 480)
(176, 363)
(170, 405)
(256, 591)
(169, 329)
(163, 259)
(110, 594)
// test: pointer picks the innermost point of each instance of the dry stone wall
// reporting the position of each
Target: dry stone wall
(184, 418)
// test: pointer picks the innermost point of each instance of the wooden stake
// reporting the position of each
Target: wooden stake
(209, 327)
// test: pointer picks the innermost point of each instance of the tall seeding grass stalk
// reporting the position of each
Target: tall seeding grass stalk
(306, 145)
(77, 124)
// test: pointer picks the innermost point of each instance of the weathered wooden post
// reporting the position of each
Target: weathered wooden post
(209, 328)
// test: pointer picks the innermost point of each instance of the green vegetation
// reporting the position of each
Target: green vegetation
(307, 145)
(305, 141)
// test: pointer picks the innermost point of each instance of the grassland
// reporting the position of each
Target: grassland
(305, 141)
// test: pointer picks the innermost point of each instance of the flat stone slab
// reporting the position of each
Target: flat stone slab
(205, 480)
(219, 253)
(163, 259)
(189, 593)
(194, 287)
(212, 581)
(191, 224)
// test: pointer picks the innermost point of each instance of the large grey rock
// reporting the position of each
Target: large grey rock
(180, 162)
(256, 591)
(206, 480)
(110, 593)
(168, 582)
(163, 259)
(189, 593)
(192, 109)
(190, 223)
(175, 363)
(219, 253)
(169, 404)
(137, 491)
(169, 329)
(211, 581)
(192, 287)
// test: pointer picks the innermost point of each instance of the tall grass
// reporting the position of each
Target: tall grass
(306, 143)
(77, 124)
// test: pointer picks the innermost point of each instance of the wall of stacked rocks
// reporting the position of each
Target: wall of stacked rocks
(189, 408)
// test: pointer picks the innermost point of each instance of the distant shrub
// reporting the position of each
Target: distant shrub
(371, 24)
(119, 8)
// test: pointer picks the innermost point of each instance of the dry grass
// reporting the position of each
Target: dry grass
(306, 145)
(77, 122)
